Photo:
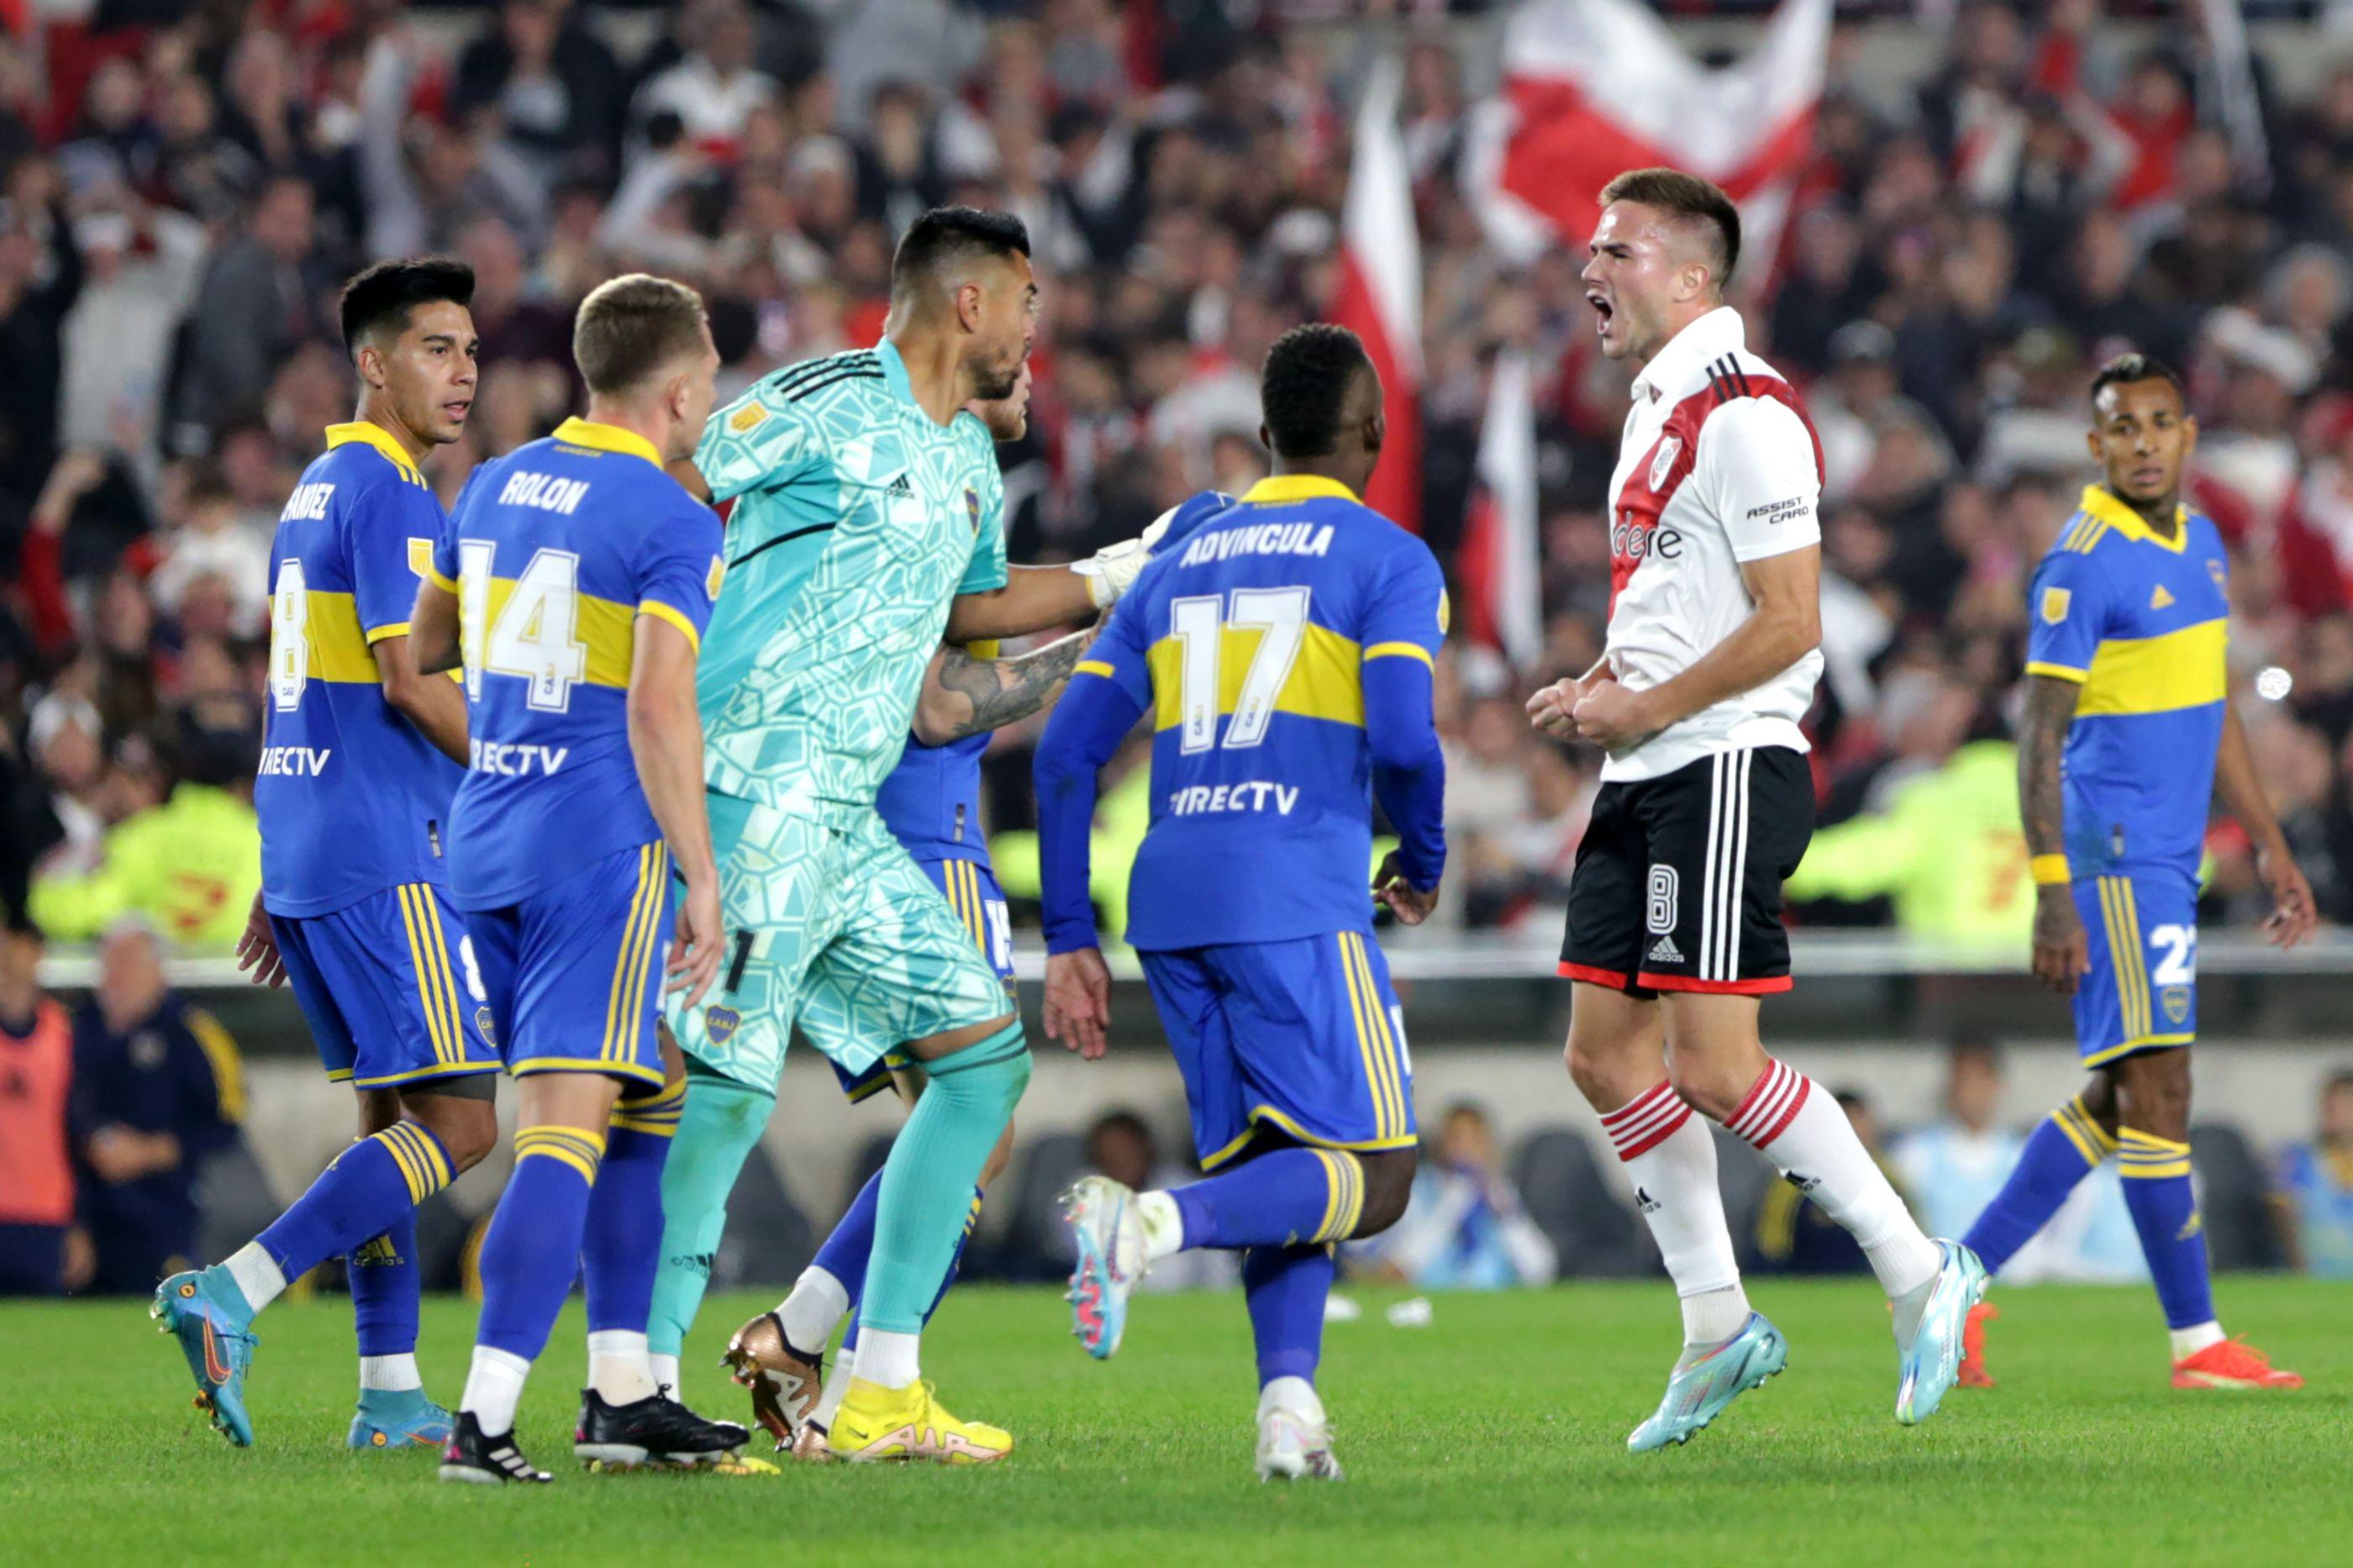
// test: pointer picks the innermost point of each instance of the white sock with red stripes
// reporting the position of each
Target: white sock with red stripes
(1803, 1129)
(1671, 1159)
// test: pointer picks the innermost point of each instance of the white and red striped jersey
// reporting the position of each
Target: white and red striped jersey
(1718, 464)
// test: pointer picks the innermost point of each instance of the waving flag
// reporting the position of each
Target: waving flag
(1501, 569)
(1592, 88)
(1379, 296)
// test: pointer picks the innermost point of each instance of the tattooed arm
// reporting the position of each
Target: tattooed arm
(966, 695)
(2061, 950)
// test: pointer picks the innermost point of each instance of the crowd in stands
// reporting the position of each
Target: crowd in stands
(179, 198)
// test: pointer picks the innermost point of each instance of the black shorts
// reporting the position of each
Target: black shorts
(1678, 880)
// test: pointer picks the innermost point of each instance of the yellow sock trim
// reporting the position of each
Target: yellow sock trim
(657, 1112)
(581, 1150)
(2146, 1157)
(1343, 1201)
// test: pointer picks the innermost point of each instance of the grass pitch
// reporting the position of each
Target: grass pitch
(1495, 1435)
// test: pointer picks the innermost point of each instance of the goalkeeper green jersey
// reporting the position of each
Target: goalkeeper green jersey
(856, 521)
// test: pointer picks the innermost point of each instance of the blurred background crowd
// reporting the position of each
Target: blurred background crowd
(184, 183)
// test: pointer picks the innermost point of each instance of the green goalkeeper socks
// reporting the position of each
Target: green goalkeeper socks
(716, 1132)
(928, 1180)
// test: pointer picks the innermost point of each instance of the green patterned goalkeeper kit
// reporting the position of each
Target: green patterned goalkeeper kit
(857, 519)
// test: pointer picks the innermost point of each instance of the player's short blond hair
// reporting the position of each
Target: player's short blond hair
(1685, 196)
(630, 327)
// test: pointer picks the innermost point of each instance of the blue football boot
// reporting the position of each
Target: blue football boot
(1697, 1394)
(1932, 1361)
(403, 1418)
(204, 1310)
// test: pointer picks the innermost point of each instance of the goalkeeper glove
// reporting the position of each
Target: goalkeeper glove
(1113, 571)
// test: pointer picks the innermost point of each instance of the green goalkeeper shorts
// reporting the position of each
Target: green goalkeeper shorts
(835, 928)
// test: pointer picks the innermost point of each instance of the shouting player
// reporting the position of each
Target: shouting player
(1705, 807)
(360, 757)
(2128, 734)
(1286, 654)
(868, 529)
(573, 583)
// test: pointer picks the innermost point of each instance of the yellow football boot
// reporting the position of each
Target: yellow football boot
(876, 1422)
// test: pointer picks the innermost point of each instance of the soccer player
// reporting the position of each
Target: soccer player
(868, 529)
(2127, 734)
(1285, 654)
(360, 757)
(931, 803)
(573, 583)
(1705, 807)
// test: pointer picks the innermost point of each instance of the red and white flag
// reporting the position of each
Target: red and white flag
(1379, 295)
(1500, 566)
(1593, 87)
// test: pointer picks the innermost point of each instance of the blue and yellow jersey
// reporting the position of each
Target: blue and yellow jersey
(1251, 646)
(930, 801)
(554, 551)
(352, 799)
(2142, 622)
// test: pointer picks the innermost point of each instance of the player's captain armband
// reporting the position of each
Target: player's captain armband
(2049, 870)
(2054, 605)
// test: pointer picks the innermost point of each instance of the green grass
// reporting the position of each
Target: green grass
(1496, 1435)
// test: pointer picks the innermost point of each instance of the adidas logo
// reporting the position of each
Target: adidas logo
(1664, 951)
(1804, 1184)
(900, 487)
(2160, 599)
(1645, 1202)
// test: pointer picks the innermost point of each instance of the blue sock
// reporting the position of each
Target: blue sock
(1279, 1199)
(365, 1190)
(621, 1245)
(2067, 1147)
(849, 1335)
(850, 1244)
(2172, 1237)
(1286, 1287)
(385, 1292)
(531, 1251)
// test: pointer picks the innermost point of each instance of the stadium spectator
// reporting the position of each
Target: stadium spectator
(2316, 1187)
(158, 1087)
(1954, 1167)
(1464, 1228)
(190, 861)
(40, 1252)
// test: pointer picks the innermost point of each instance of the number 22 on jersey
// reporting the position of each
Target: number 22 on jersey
(529, 629)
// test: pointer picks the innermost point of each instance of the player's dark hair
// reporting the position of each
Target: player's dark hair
(1304, 389)
(385, 294)
(2124, 369)
(630, 327)
(945, 236)
(1688, 197)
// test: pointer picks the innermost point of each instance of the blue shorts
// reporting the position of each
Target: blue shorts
(574, 974)
(2142, 992)
(1305, 1036)
(379, 983)
(973, 893)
